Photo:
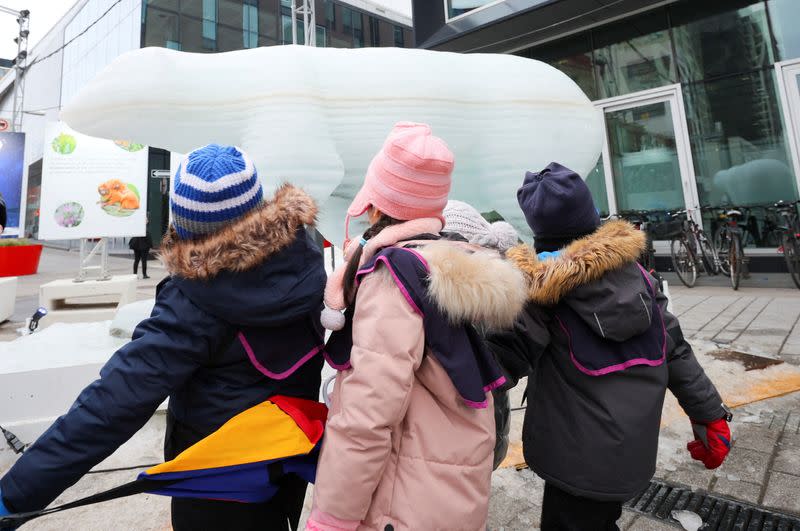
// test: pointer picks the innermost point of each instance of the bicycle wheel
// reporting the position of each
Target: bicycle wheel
(683, 262)
(735, 260)
(791, 252)
(722, 243)
(710, 263)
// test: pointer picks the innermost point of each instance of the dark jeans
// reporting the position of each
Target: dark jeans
(281, 513)
(140, 255)
(562, 511)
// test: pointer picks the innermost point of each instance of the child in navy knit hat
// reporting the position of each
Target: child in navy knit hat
(235, 323)
(601, 350)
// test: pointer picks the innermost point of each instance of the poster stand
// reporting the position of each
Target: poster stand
(99, 246)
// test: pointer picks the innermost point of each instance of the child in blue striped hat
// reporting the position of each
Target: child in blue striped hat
(236, 322)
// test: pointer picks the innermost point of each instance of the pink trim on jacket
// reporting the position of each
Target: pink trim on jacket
(399, 284)
(338, 367)
(276, 375)
(612, 368)
(495, 384)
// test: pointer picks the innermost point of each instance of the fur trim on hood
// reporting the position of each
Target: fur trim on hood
(244, 244)
(613, 245)
(475, 285)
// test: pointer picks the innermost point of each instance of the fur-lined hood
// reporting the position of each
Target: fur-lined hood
(612, 246)
(472, 284)
(245, 243)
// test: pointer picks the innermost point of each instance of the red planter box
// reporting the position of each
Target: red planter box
(19, 260)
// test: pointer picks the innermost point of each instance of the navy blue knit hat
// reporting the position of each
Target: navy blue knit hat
(558, 206)
(214, 186)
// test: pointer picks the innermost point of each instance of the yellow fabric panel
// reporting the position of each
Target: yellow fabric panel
(261, 433)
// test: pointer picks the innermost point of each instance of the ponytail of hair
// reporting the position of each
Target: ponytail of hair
(354, 262)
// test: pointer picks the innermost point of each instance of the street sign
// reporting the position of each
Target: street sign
(4, 124)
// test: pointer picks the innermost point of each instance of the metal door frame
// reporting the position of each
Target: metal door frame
(674, 95)
(790, 106)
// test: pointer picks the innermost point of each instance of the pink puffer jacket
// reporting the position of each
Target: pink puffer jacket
(402, 451)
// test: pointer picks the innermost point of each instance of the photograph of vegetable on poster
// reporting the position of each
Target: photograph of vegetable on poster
(91, 187)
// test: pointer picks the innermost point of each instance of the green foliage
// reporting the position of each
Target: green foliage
(15, 242)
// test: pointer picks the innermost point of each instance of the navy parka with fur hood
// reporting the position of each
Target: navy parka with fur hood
(261, 277)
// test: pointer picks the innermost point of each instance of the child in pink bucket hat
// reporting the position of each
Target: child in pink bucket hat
(408, 180)
(410, 437)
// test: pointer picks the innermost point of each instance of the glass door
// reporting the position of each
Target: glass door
(789, 88)
(646, 157)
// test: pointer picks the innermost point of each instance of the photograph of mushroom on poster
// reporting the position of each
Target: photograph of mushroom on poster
(91, 187)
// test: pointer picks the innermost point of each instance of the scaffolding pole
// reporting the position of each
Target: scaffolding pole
(306, 10)
(23, 20)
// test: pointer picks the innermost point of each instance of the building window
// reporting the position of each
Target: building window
(161, 28)
(455, 8)
(374, 32)
(330, 15)
(712, 43)
(322, 37)
(250, 23)
(634, 55)
(784, 15)
(286, 30)
(399, 37)
(737, 139)
(353, 25)
(573, 56)
(210, 24)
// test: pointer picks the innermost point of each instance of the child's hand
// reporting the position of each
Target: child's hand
(712, 442)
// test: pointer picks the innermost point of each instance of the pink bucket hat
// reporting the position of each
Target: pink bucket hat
(409, 178)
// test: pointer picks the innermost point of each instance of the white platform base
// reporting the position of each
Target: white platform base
(8, 297)
(54, 296)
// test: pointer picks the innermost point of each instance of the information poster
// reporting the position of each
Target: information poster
(91, 187)
(12, 161)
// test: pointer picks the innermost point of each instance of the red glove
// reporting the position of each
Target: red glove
(712, 442)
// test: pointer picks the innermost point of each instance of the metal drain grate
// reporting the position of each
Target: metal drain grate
(719, 514)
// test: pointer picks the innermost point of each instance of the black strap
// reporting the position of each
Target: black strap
(128, 489)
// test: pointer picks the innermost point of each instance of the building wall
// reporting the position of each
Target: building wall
(226, 25)
(723, 54)
(96, 46)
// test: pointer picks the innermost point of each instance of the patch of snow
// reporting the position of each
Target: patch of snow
(129, 316)
(689, 521)
(60, 345)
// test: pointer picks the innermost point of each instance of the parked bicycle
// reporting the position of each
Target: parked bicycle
(790, 238)
(728, 245)
(691, 249)
(642, 220)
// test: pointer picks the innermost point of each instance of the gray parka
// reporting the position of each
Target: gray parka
(596, 436)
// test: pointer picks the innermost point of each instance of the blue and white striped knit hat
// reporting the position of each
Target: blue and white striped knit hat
(214, 186)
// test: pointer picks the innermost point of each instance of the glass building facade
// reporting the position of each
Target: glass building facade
(227, 25)
(722, 54)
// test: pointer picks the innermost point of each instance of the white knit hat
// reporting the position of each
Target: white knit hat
(463, 219)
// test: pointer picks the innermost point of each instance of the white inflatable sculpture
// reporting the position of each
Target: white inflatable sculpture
(316, 116)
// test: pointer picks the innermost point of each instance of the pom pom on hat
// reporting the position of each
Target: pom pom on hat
(332, 319)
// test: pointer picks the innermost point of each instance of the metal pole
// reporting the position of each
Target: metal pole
(294, 22)
(309, 22)
(23, 19)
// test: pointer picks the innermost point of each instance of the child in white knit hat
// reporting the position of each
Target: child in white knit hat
(464, 220)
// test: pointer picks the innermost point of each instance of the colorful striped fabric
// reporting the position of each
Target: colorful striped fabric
(240, 461)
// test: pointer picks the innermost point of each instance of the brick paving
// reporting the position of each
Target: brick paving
(756, 320)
